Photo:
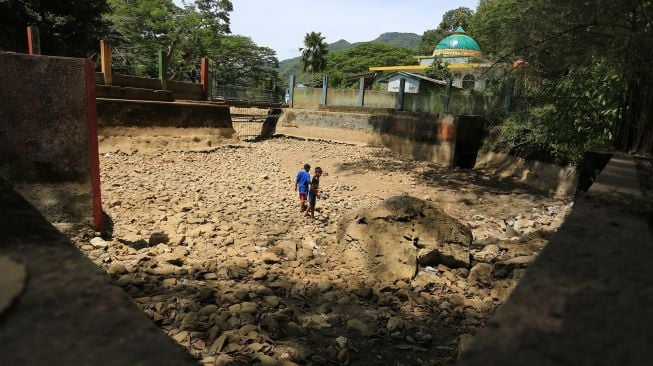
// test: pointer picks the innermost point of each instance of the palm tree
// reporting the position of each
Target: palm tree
(314, 53)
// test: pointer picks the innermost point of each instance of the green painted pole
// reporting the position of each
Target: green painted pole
(447, 94)
(162, 70)
(361, 92)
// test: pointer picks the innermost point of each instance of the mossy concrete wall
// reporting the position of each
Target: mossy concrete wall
(48, 135)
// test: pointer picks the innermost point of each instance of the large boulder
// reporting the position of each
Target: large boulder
(395, 237)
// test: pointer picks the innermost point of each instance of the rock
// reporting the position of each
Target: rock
(117, 268)
(248, 308)
(270, 258)
(260, 274)
(12, 281)
(98, 242)
(488, 254)
(158, 238)
(177, 256)
(480, 275)
(271, 300)
(342, 341)
(464, 341)
(358, 326)
(304, 254)
(392, 237)
(394, 323)
(289, 249)
(267, 360)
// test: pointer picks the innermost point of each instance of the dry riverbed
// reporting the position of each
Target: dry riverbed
(212, 247)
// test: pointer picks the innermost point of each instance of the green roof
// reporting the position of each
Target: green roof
(458, 41)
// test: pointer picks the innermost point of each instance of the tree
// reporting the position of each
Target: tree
(237, 60)
(360, 58)
(437, 70)
(67, 28)
(142, 27)
(593, 59)
(314, 53)
(450, 21)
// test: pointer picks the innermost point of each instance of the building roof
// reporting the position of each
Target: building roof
(458, 45)
(411, 75)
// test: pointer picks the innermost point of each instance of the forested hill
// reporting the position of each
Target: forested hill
(408, 40)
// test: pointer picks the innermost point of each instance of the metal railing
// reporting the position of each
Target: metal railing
(232, 93)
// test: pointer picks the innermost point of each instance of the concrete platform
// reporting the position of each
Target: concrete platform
(69, 313)
(588, 297)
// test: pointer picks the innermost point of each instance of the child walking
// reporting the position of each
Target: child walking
(302, 183)
(313, 192)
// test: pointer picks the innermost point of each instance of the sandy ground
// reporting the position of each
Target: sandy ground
(212, 246)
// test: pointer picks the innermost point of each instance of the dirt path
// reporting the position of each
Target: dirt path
(212, 247)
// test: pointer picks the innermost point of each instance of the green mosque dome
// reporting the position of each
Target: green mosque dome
(458, 45)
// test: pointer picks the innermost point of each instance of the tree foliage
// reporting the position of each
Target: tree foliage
(438, 70)
(450, 21)
(314, 53)
(237, 60)
(142, 27)
(592, 60)
(67, 28)
(358, 59)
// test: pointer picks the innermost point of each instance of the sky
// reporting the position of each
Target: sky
(282, 24)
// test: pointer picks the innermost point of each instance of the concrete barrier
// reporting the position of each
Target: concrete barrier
(587, 299)
(48, 135)
(417, 136)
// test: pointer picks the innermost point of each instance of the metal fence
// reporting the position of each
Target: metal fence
(246, 95)
(249, 123)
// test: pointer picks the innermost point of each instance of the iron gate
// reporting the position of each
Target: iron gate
(254, 123)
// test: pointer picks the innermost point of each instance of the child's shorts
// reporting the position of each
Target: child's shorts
(312, 198)
(302, 197)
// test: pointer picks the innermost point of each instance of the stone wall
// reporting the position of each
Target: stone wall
(48, 135)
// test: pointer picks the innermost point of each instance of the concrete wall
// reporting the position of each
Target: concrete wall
(48, 135)
(435, 103)
(129, 113)
(135, 87)
(417, 136)
(555, 179)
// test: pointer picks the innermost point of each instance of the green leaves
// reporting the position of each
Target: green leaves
(314, 53)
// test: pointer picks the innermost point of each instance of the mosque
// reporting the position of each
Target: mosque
(459, 52)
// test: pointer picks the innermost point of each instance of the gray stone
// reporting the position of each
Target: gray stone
(480, 274)
(392, 237)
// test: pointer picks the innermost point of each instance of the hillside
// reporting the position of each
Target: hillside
(409, 40)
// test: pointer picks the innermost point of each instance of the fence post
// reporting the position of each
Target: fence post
(400, 100)
(163, 67)
(361, 92)
(447, 97)
(33, 41)
(325, 81)
(105, 62)
(204, 77)
(291, 85)
(507, 98)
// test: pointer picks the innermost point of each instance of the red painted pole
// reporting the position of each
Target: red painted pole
(93, 145)
(204, 77)
(33, 41)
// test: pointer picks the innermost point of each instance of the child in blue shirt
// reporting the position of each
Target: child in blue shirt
(302, 182)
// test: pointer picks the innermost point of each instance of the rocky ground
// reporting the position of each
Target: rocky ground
(211, 245)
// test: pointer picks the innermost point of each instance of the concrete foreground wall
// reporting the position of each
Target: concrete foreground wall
(48, 135)
(587, 299)
(417, 136)
(558, 180)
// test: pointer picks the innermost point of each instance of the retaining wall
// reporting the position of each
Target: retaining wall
(417, 136)
(129, 125)
(48, 135)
